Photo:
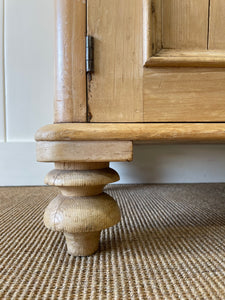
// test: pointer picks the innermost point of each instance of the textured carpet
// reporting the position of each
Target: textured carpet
(170, 244)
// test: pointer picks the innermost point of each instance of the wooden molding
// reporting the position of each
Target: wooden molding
(181, 58)
(84, 151)
(150, 132)
(182, 34)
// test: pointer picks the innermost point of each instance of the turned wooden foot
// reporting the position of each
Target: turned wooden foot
(82, 243)
(82, 210)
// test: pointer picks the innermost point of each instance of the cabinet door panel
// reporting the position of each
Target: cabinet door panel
(185, 24)
(115, 91)
(153, 62)
(189, 93)
(217, 25)
(184, 94)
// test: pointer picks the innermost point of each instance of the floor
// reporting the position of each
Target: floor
(170, 244)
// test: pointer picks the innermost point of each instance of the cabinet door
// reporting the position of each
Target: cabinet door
(157, 60)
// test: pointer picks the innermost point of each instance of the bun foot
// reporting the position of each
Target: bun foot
(82, 210)
(82, 243)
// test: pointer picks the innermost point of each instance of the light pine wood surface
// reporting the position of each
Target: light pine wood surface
(84, 151)
(185, 24)
(70, 86)
(148, 132)
(217, 25)
(184, 95)
(115, 91)
(152, 28)
(187, 81)
(196, 92)
(187, 58)
(191, 35)
(82, 210)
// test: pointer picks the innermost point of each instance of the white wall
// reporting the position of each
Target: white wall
(29, 39)
(174, 164)
(26, 104)
(26, 86)
(2, 90)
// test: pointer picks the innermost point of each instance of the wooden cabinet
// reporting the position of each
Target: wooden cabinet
(159, 76)
(157, 61)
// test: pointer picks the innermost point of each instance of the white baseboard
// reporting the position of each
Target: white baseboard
(152, 164)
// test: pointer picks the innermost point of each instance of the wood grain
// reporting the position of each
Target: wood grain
(185, 24)
(115, 91)
(94, 179)
(217, 25)
(152, 28)
(187, 58)
(184, 95)
(147, 30)
(149, 132)
(84, 151)
(82, 210)
(70, 94)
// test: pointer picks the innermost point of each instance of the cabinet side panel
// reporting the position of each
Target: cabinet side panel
(217, 25)
(184, 95)
(70, 88)
(185, 24)
(115, 91)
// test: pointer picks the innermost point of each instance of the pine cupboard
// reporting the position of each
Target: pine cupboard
(126, 71)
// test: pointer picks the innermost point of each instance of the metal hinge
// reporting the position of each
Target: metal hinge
(89, 54)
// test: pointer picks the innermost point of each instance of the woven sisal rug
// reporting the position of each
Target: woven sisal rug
(170, 244)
